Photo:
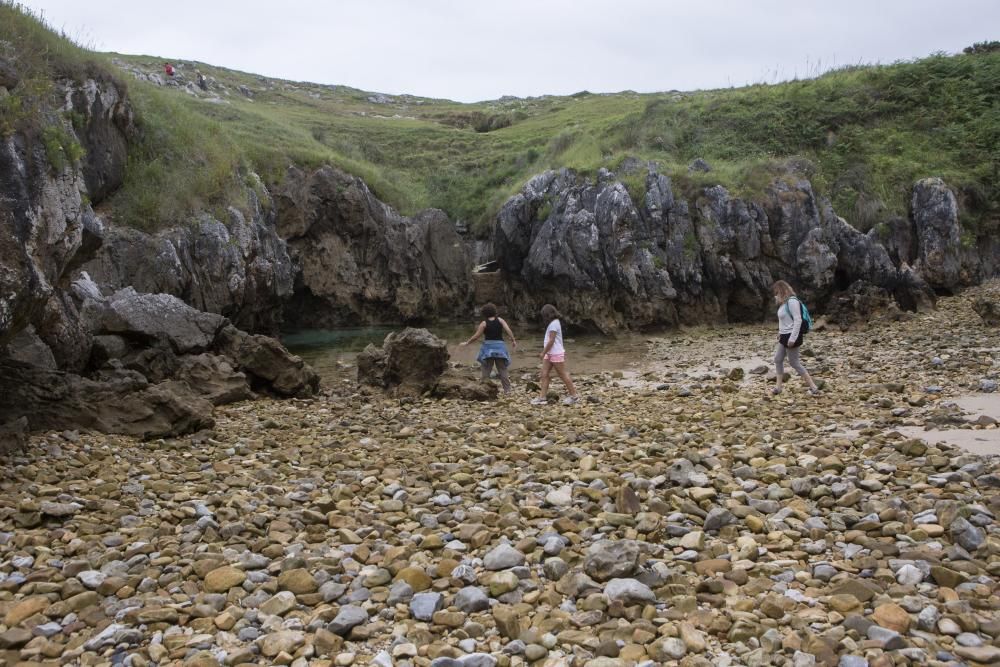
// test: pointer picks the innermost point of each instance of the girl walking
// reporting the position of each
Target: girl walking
(790, 336)
(493, 352)
(554, 356)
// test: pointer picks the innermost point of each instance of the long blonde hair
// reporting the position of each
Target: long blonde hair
(782, 290)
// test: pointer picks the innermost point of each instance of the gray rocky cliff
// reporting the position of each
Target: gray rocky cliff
(239, 268)
(323, 251)
(147, 364)
(48, 226)
(361, 261)
(610, 263)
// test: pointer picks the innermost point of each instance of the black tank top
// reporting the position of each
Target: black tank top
(494, 330)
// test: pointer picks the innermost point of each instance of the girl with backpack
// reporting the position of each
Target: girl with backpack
(791, 330)
(493, 352)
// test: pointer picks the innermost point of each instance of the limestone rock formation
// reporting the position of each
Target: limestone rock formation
(935, 218)
(610, 263)
(126, 403)
(109, 357)
(362, 262)
(239, 268)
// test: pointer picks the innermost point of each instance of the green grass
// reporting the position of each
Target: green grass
(40, 56)
(863, 135)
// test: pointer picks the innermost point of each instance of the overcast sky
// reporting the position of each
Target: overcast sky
(472, 50)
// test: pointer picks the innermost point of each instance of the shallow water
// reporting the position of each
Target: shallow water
(332, 352)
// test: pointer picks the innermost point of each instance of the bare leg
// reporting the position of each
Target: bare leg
(564, 375)
(484, 366)
(543, 381)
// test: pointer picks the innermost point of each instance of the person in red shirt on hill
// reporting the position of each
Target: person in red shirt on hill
(168, 68)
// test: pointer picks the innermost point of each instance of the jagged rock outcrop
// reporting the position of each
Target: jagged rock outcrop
(414, 362)
(47, 228)
(156, 369)
(154, 333)
(609, 263)
(240, 269)
(143, 364)
(104, 131)
(325, 252)
(934, 244)
(362, 262)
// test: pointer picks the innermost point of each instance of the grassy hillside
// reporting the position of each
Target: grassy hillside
(866, 133)
(39, 56)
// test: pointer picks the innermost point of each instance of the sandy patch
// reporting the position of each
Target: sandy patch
(982, 441)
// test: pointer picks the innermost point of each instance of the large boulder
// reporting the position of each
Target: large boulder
(268, 364)
(409, 363)
(414, 362)
(156, 368)
(123, 403)
(148, 317)
(935, 218)
(860, 303)
(464, 387)
(153, 334)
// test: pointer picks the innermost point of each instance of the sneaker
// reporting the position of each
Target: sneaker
(815, 392)
(539, 401)
(570, 400)
(776, 390)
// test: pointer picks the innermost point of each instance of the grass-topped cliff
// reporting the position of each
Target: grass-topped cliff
(865, 133)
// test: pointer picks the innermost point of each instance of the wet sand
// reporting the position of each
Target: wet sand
(982, 441)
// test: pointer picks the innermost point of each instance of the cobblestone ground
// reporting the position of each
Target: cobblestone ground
(678, 515)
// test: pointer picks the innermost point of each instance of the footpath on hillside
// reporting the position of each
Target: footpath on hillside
(680, 514)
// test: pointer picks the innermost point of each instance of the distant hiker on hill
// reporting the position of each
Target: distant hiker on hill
(168, 69)
(493, 352)
(553, 356)
(790, 334)
(202, 81)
